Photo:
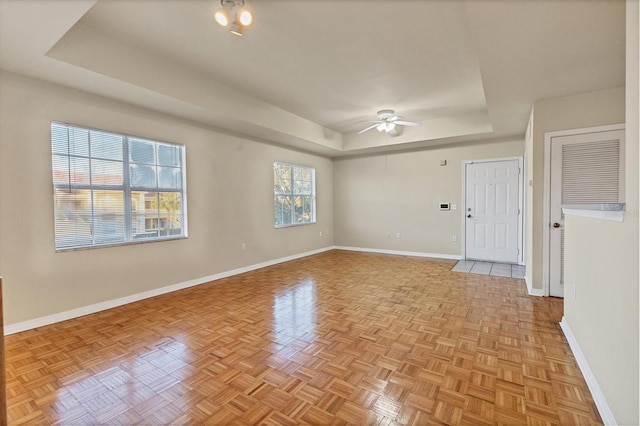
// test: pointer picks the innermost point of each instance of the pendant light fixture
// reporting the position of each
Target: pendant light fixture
(234, 15)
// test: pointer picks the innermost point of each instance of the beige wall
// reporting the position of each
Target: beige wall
(400, 192)
(230, 201)
(601, 262)
(569, 112)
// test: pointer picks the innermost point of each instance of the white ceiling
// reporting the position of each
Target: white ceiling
(309, 73)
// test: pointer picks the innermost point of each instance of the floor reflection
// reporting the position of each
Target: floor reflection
(114, 387)
(294, 312)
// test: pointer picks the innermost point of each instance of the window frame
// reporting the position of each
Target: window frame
(293, 194)
(126, 188)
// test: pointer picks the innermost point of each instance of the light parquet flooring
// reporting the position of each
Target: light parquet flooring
(336, 338)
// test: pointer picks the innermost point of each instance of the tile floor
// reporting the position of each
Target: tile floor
(489, 268)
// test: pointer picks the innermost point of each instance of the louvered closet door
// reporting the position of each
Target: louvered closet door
(585, 169)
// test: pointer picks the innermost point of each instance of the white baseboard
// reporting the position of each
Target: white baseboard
(97, 307)
(401, 252)
(592, 383)
(533, 291)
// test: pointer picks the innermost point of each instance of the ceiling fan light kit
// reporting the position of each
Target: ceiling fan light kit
(235, 13)
(387, 122)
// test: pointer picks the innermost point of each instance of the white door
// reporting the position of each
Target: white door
(492, 210)
(585, 169)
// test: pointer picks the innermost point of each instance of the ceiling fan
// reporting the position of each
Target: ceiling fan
(387, 122)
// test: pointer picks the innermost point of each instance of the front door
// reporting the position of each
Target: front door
(492, 202)
(586, 168)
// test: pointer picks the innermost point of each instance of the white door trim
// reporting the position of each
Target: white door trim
(463, 212)
(546, 197)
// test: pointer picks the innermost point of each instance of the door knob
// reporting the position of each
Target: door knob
(469, 216)
(556, 225)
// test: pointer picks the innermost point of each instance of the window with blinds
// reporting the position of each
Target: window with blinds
(294, 190)
(115, 189)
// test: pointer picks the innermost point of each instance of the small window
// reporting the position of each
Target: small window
(115, 189)
(294, 194)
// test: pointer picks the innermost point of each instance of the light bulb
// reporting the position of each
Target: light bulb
(245, 17)
(390, 127)
(381, 127)
(222, 17)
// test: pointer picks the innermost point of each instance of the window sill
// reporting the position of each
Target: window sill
(294, 224)
(128, 243)
(607, 211)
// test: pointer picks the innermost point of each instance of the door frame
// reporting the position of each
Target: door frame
(546, 197)
(463, 237)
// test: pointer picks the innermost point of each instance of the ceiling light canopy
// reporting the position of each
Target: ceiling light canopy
(236, 28)
(235, 15)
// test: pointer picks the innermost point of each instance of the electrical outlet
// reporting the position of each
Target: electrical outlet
(388, 235)
(243, 246)
(320, 233)
(397, 235)
(454, 238)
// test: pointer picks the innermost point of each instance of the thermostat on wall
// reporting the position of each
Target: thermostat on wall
(445, 206)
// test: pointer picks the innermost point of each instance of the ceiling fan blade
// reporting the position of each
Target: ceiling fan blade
(408, 123)
(369, 128)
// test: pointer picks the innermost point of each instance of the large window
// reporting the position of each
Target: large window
(294, 190)
(115, 189)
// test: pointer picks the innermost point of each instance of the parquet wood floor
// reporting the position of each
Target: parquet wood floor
(336, 338)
